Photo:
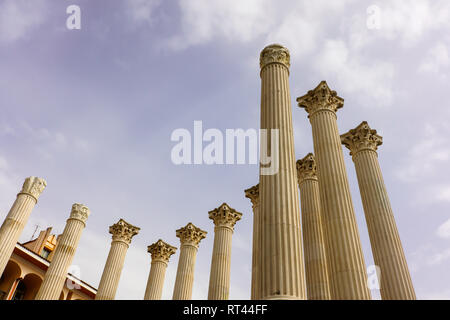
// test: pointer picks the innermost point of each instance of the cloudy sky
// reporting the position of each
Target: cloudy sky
(92, 111)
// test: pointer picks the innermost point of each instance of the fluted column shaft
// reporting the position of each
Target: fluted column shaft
(345, 260)
(190, 237)
(161, 252)
(185, 272)
(109, 281)
(253, 195)
(17, 218)
(122, 233)
(395, 279)
(347, 272)
(155, 281)
(224, 218)
(219, 281)
(56, 274)
(317, 283)
(281, 269)
(256, 255)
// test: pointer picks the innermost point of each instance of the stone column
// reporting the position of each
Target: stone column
(282, 270)
(56, 274)
(122, 233)
(224, 218)
(395, 280)
(17, 217)
(190, 237)
(161, 253)
(253, 195)
(317, 285)
(347, 271)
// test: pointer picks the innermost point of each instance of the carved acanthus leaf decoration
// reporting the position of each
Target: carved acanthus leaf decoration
(321, 98)
(274, 53)
(161, 250)
(306, 168)
(191, 234)
(123, 231)
(361, 138)
(253, 194)
(33, 186)
(80, 212)
(225, 216)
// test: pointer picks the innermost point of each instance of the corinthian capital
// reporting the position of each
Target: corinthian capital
(321, 98)
(191, 234)
(361, 138)
(274, 53)
(33, 186)
(123, 231)
(306, 168)
(253, 194)
(225, 216)
(161, 251)
(79, 212)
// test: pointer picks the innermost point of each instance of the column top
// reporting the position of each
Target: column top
(123, 231)
(320, 98)
(161, 250)
(361, 138)
(274, 53)
(224, 216)
(306, 168)
(191, 234)
(79, 212)
(253, 194)
(33, 186)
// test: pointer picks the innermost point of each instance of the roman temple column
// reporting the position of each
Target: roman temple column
(224, 218)
(160, 252)
(317, 285)
(345, 260)
(56, 274)
(253, 194)
(17, 217)
(395, 280)
(190, 237)
(122, 233)
(282, 270)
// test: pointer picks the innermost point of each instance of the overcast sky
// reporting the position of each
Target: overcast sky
(92, 112)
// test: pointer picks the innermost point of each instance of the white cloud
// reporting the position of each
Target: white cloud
(203, 20)
(141, 11)
(18, 17)
(437, 60)
(409, 21)
(373, 79)
(443, 230)
(427, 156)
(439, 257)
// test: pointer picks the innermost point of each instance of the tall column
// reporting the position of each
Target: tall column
(395, 280)
(253, 194)
(17, 217)
(224, 218)
(161, 253)
(347, 271)
(190, 237)
(282, 270)
(56, 274)
(122, 233)
(317, 284)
